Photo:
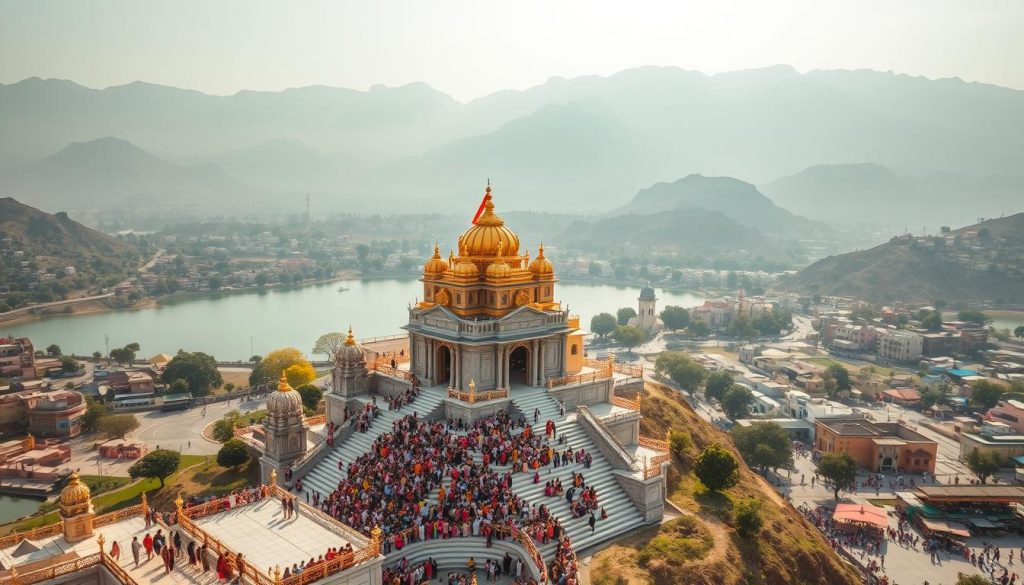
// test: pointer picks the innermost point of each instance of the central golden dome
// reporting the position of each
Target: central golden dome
(488, 232)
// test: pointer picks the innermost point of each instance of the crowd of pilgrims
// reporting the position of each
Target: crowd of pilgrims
(391, 485)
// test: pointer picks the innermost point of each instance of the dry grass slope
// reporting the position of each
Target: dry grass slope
(788, 551)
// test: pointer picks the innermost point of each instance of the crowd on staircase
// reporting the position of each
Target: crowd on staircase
(392, 485)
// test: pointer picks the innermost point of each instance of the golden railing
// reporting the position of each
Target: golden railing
(626, 402)
(119, 573)
(318, 419)
(118, 515)
(387, 370)
(473, 397)
(33, 534)
(54, 571)
(631, 370)
(578, 378)
(655, 444)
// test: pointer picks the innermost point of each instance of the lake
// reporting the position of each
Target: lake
(14, 507)
(236, 326)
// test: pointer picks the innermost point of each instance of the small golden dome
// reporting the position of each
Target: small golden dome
(351, 353)
(466, 268)
(541, 266)
(488, 232)
(75, 494)
(436, 265)
(499, 268)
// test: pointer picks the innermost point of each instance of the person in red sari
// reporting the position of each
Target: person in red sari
(222, 568)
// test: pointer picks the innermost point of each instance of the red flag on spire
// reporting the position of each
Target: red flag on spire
(483, 202)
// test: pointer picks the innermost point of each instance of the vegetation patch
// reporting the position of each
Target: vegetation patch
(678, 542)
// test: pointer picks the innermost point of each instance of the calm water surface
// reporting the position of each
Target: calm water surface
(14, 507)
(226, 325)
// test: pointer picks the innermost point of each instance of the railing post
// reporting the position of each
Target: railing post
(100, 541)
(145, 505)
(273, 477)
(375, 539)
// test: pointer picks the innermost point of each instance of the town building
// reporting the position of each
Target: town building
(996, 437)
(647, 312)
(47, 413)
(878, 447)
(898, 345)
(17, 358)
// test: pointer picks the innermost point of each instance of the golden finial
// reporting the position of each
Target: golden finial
(277, 573)
(100, 541)
(501, 248)
(273, 477)
(437, 251)
(350, 340)
(282, 383)
(178, 503)
(451, 257)
(540, 250)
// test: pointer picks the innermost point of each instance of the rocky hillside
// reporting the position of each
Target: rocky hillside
(982, 263)
(702, 547)
(46, 257)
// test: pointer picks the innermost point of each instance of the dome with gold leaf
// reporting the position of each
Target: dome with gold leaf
(436, 265)
(498, 269)
(350, 354)
(465, 267)
(541, 266)
(75, 497)
(488, 232)
(286, 401)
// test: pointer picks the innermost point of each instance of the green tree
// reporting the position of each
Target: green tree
(602, 324)
(594, 270)
(1018, 331)
(675, 318)
(224, 429)
(196, 368)
(741, 328)
(629, 336)
(764, 445)
(179, 386)
(837, 379)
(53, 350)
(680, 442)
(157, 464)
(233, 454)
(902, 320)
(736, 401)
(229, 387)
(932, 322)
(747, 515)
(262, 279)
(94, 411)
(985, 394)
(716, 468)
(698, 329)
(983, 463)
(68, 365)
(681, 369)
(117, 426)
(328, 344)
(269, 369)
(311, 395)
(838, 468)
(976, 317)
(96, 355)
(716, 385)
(625, 314)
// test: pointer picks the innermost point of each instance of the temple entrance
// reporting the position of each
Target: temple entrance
(443, 365)
(886, 465)
(519, 367)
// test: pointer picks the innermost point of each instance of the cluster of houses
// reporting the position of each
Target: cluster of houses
(884, 341)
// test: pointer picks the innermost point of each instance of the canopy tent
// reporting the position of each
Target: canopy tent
(861, 513)
(160, 359)
(946, 527)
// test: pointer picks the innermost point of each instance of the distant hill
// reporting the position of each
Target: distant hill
(869, 192)
(693, 232)
(736, 199)
(34, 241)
(568, 143)
(113, 172)
(978, 263)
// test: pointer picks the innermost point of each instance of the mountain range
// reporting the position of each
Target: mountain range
(979, 264)
(577, 145)
(873, 193)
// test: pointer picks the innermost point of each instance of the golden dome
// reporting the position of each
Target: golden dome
(436, 265)
(541, 266)
(465, 268)
(488, 232)
(499, 268)
(75, 495)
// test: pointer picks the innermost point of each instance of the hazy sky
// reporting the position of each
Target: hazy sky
(472, 48)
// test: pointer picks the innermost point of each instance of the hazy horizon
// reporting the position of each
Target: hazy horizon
(470, 50)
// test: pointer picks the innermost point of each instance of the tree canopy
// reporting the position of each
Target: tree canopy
(838, 468)
(675, 318)
(736, 401)
(985, 394)
(976, 317)
(602, 324)
(698, 329)
(932, 321)
(158, 464)
(269, 369)
(328, 344)
(625, 314)
(764, 445)
(681, 369)
(300, 374)
(94, 411)
(629, 336)
(837, 379)
(716, 468)
(233, 454)
(198, 369)
(747, 516)
(117, 426)
(716, 385)
(311, 395)
(983, 463)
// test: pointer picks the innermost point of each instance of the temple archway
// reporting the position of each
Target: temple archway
(519, 366)
(443, 365)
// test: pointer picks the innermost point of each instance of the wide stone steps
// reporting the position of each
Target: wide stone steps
(452, 554)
